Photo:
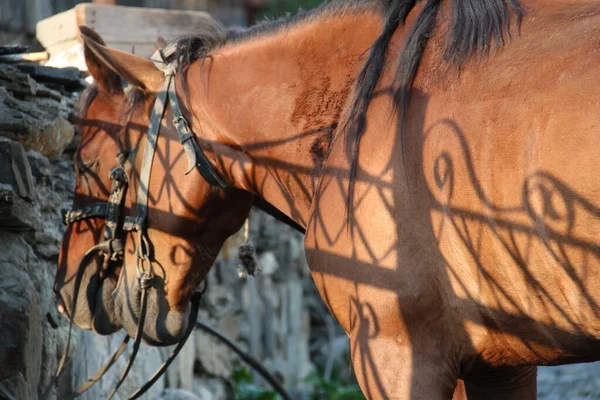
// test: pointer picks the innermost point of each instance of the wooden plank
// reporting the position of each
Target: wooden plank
(139, 25)
(59, 28)
(120, 27)
(34, 57)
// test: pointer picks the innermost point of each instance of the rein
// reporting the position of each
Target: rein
(113, 245)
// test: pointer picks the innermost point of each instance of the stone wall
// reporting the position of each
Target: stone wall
(268, 315)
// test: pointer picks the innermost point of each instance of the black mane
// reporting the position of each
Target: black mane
(477, 27)
(193, 47)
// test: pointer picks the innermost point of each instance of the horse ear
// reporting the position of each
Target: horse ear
(138, 71)
(161, 43)
(107, 80)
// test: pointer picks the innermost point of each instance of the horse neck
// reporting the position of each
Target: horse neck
(268, 106)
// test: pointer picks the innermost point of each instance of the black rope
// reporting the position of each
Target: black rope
(248, 359)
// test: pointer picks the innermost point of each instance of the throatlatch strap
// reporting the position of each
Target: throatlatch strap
(195, 155)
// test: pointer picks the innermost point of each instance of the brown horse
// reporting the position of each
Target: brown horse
(103, 116)
(459, 242)
(105, 305)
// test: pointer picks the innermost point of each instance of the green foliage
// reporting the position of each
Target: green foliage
(333, 389)
(278, 8)
(245, 388)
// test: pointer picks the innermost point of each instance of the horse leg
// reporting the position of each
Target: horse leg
(387, 370)
(503, 383)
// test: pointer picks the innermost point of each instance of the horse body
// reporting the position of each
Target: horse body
(489, 249)
(507, 154)
(469, 246)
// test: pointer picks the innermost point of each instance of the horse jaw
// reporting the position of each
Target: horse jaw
(163, 326)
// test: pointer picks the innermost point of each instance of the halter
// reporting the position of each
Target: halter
(113, 246)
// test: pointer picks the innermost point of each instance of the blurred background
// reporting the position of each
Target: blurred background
(18, 18)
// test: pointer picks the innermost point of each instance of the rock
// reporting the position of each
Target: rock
(14, 388)
(17, 214)
(227, 271)
(22, 85)
(267, 263)
(39, 276)
(52, 140)
(211, 389)
(67, 77)
(179, 394)
(214, 357)
(228, 325)
(13, 49)
(38, 124)
(186, 360)
(21, 332)
(220, 300)
(93, 350)
(17, 171)
(41, 169)
(573, 382)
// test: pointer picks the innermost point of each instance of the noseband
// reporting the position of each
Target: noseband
(112, 248)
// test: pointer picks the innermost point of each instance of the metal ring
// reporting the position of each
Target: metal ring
(145, 280)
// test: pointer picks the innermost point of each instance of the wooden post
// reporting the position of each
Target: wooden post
(108, 2)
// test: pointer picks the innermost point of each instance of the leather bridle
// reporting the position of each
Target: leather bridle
(116, 225)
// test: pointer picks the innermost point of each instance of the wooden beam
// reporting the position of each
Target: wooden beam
(121, 27)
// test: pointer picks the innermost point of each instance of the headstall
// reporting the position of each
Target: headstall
(116, 225)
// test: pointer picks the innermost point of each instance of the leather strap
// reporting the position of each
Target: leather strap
(93, 210)
(195, 155)
(151, 139)
(115, 202)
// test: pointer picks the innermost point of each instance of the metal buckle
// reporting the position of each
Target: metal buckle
(181, 123)
(145, 280)
(118, 174)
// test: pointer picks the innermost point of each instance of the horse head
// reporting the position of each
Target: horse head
(109, 254)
